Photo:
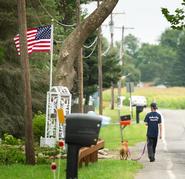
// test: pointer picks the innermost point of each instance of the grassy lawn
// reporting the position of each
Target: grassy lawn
(111, 134)
(110, 169)
(103, 169)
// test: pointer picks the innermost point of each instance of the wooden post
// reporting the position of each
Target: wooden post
(100, 83)
(29, 149)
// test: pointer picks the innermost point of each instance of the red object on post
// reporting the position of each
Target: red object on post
(53, 166)
(61, 143)
(125, 123)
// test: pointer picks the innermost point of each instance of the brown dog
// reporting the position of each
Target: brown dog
(124, 151)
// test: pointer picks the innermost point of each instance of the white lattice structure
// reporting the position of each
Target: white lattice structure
(58, 97)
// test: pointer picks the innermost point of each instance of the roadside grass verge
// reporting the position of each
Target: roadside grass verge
(111, 134)
(110, 169)
(103, 169)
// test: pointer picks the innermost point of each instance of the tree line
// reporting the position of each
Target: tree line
(162, 63)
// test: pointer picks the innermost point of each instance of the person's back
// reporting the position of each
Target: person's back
(153, 120)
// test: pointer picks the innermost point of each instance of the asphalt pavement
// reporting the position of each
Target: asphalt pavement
(170, 155)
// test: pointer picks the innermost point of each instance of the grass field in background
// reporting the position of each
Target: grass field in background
(114, 114)
(171, 98)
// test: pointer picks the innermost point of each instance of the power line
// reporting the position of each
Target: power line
(58, 22)
(106, 51)
(91, 52)
(95, 40)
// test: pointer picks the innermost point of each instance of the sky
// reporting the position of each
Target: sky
(144, 16)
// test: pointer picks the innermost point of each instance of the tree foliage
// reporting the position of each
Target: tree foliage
(39, 12)
(176, 19)
(162, 63)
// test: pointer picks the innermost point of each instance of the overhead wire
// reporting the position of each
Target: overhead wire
(91, 52)
(95, 40)
(72, 25)
(106, 51)
(58, 22)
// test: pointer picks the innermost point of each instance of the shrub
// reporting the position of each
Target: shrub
(44, 155)
(10, 140)
(38, 125)
(11, 154)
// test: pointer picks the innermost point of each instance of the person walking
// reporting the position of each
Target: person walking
(153, 122)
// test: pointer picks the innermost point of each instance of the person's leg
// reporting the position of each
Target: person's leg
(154, 146)
(150, 148)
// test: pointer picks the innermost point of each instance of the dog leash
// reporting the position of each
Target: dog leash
(143, 151)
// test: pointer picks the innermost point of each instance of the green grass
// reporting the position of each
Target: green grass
(114, 114)
(171, 98)
(103, 169)
(110, 169)
(111, 134)
(19, 171)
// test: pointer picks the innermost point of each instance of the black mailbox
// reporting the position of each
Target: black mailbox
(139, 109)
(82, 129)
(125, 117)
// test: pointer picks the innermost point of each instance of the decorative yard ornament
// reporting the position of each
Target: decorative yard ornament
(58, 106)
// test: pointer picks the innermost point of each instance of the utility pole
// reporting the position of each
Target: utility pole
(100, 85)
(123, 28)
(29, 149)
(80, 63)
(121, 60)
(121, 63)
(111, 25)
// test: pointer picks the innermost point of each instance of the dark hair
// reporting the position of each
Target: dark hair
(153, 105)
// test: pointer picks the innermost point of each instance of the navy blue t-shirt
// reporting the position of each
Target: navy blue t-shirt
(152, 119)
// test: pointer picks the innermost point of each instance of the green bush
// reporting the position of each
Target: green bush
(11, 154)
(38, 125)
(44, 155)
(10, 140)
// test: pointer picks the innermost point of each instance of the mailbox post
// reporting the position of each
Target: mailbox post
(124, 121)
(82, 130)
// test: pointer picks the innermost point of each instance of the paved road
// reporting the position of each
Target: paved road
(170, 156)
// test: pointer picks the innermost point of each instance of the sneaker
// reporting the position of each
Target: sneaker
(152, 160)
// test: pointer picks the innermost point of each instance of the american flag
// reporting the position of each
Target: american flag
(38, 40)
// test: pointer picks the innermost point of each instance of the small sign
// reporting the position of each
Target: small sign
(60, 113)
(130, 87)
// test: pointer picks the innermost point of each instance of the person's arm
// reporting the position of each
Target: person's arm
(160, 130)
(160, 127)
(146, 120)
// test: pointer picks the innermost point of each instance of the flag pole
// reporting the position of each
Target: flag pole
(51, 56)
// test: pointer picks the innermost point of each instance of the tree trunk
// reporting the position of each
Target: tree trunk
(65, 72)
(80, 63)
